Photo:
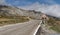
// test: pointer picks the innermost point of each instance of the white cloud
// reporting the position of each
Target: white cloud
(53, 10)
(50, 1)
(2, 2)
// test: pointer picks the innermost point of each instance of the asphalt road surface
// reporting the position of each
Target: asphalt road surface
(26, 28)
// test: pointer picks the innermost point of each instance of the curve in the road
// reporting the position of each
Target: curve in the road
(27, 28)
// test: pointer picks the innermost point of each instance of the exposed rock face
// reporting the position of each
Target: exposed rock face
(32, 14)
(9, 11)
(13, 11)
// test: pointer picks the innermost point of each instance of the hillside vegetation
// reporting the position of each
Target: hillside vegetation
(54, 24)
(11, 15)
(12, 20)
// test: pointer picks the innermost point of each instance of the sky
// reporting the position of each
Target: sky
(29, 2)
(50, 7)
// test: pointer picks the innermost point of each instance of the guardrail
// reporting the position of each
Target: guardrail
(38, 28)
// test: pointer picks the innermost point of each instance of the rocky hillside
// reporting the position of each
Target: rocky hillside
(9, 11)
(32, 14)
(11, 15)
(14, 11)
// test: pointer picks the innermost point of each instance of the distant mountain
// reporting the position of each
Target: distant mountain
(14, 11)
(9, 11)
(32, 13)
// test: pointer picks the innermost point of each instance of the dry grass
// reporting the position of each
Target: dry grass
(6, 21)
(55, 24)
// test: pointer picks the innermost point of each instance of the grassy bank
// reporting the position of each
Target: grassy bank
(12, 20)
(54, 24)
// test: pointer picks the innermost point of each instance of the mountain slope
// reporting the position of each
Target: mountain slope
(14, 11)
(9, 11)
(11, 15)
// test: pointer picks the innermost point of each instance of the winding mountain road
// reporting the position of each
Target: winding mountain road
(27, 28)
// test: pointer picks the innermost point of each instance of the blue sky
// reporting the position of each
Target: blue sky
(51, 7)
(21, 2)
(29, 2)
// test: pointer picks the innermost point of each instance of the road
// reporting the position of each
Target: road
(26, 28)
